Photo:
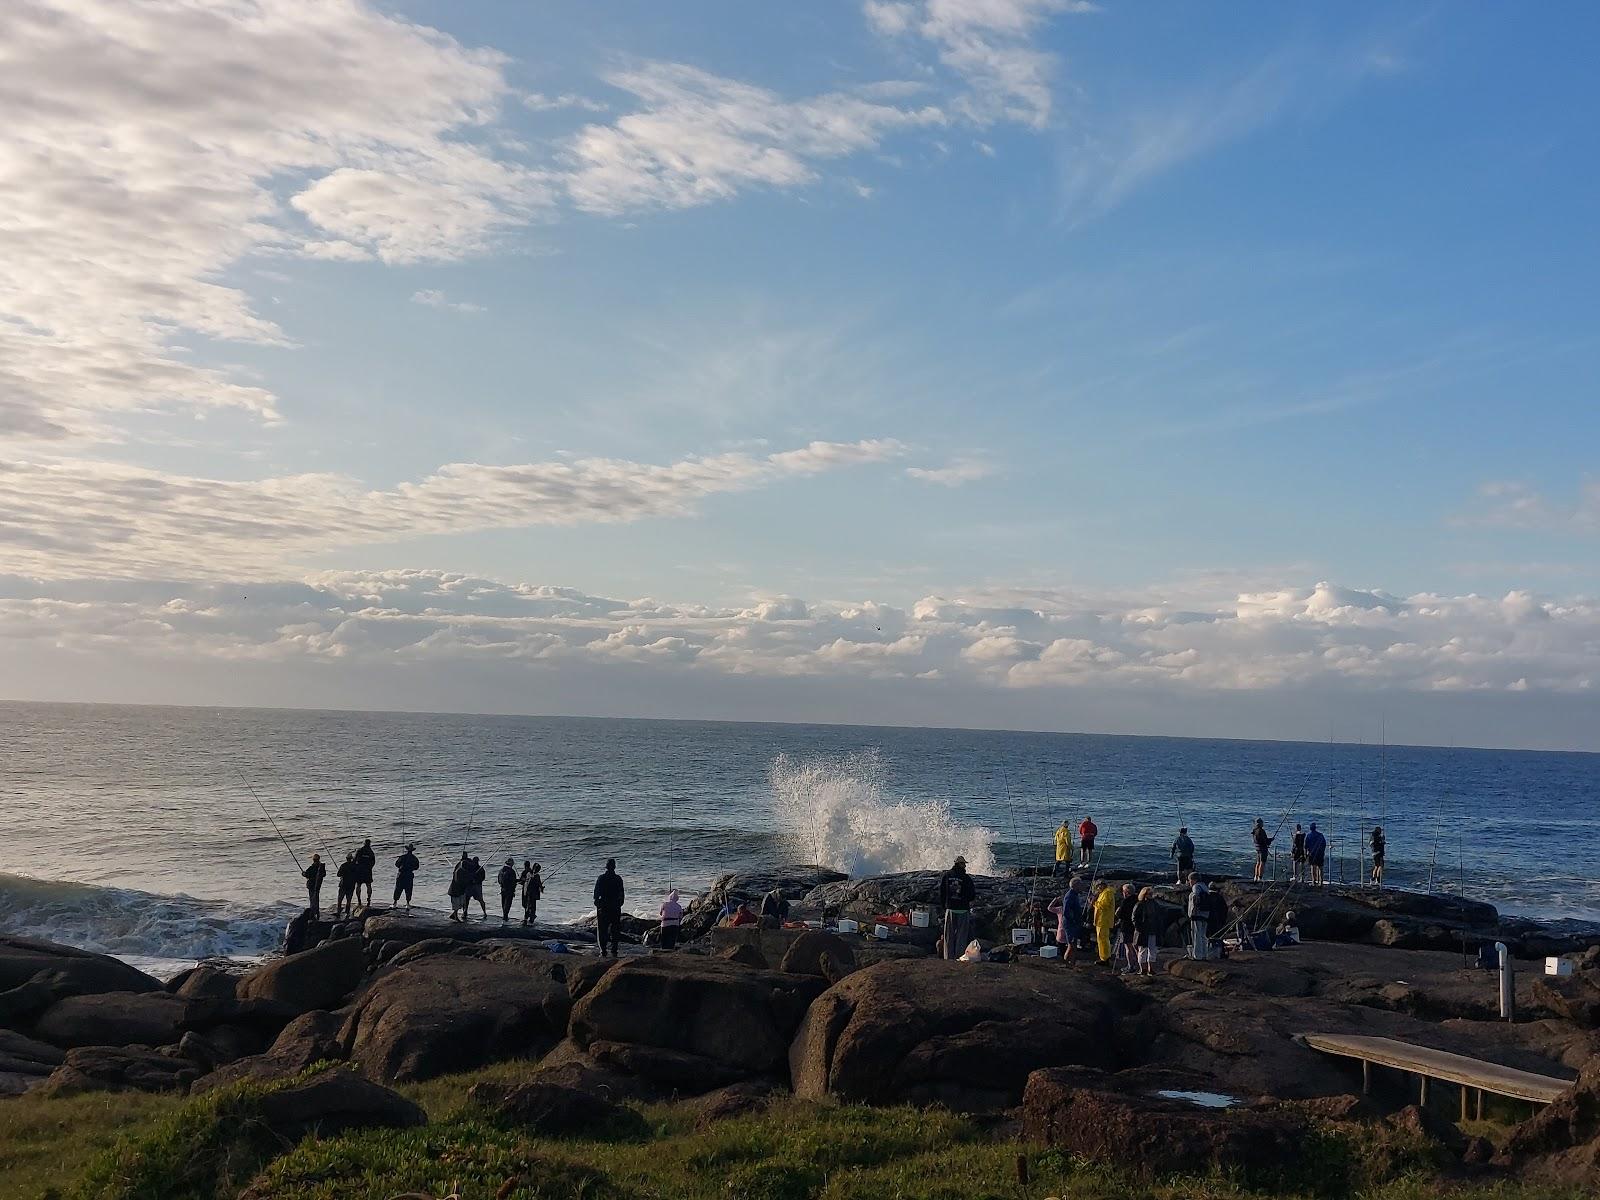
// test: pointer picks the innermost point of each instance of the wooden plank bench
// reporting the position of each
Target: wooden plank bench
(1471, 1074)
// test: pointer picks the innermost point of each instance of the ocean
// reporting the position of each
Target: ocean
(148, 832)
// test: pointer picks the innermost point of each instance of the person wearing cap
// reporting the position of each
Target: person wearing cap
(506, 877)
(405, 874)
(1183, 851)
(956, 894)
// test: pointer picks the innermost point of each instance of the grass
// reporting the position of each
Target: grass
(161, 1148)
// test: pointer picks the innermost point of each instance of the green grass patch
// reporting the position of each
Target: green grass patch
(44, 1142)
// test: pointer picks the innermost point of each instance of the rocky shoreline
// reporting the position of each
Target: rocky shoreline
(739, 1014)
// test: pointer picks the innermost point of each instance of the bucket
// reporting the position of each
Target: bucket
(846, 925)
(881, 932)
(1022, 936)
(921, 918)
(1049, 951)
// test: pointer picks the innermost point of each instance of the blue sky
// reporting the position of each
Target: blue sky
(1088, 313)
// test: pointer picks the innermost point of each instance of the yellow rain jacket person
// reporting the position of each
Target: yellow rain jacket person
(1105, 920)
(1064, 844)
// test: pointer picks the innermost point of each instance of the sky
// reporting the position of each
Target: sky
(1226, 371)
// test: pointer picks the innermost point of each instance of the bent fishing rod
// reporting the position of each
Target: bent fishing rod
(267, 813)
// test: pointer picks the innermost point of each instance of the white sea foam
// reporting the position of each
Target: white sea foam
(833, 812)
(166, 933)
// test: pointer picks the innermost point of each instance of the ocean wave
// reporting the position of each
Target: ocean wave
(832, 811)
(138, 926)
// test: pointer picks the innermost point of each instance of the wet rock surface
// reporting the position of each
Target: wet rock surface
(79, 972)
(318, 978)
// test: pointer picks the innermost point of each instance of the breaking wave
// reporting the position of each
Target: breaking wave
(161, 934)
(832, 811)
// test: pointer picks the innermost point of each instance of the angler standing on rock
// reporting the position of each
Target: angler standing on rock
(608, 897)
(1297, 853)
(507, 879)
(347, 872)
(1087, 832)
(366, 859)
(1316, 853)
(532, 889)
(405, 874)
(315, 874)
(1263, 840)
(460, 888)
(671, 914)
(1063, 848)
(1199, 918)
(1380, 847)
(956, 894)
(1105, 921)
(1183, 851)
(475, 889)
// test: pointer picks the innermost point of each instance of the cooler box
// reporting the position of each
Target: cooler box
(1558, 966)
(1023, 936)
(1049, 951)
(846, 925)
(880, 932)
(921, 918)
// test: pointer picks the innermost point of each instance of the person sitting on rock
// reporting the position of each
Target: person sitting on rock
(743, 915)
(506, 877)
(532, 889)
(671, 914)
(1148, 925)
(347, 873)
(956, 893)
(1288, 934)
(774, 910)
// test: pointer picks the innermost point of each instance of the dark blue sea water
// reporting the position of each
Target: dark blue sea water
(133, 829)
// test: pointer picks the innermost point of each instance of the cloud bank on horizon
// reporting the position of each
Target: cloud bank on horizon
(318, 323)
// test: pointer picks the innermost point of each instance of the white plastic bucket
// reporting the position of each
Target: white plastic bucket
(846, 925)
(921, 918)
(1022, 936)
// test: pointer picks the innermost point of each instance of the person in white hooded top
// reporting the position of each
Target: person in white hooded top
(671, 920)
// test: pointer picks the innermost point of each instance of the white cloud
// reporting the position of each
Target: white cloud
(700, 138)
(954, 473)
(433, 298)
(148, 144)
(1509, 504)
(539, 102)
(1297, 643)
(92, 518)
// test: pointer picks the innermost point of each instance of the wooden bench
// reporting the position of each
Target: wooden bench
(1471, 1074)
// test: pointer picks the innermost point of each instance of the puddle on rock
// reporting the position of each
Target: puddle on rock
(1201, 1099)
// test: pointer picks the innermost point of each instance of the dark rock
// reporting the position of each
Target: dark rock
(204, 982)
(1085, 1115)
(82, 973)
(793, 883)
(740, 1018)
(676, 1070)
(423, 927)
(585, 973)
(745, 955)
(219, 1045)
(1575, 997)
(310, 1038)
(1478, 1152)
(551, 1110)
(569, 1065)
(1419, 1122)
(735, 1100)
(119, 1069)
(1323, 1108)
(998, 903)
(150, 1018)
(25, 1063)
(461, 1007)
(266, 1017)
(1339, 913)
(312, 979)
(1562, 1140)
(332, 1102)
(21, 1004)
(824, 955)
(962, 1034)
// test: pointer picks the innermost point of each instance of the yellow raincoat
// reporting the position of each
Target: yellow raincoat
(1063, 844)
(1105, 920)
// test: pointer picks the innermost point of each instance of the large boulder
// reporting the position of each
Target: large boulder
(25, 1063)
(81, 972)
(667, 1016)
(151, 1018)
(1562, 1140)
(458, 1006)
(1106, 1120)
(318, 978)
(793, 883)
(205, 981)
(310, 1038)
(551, 1110)
(1573, 997)
(962, 1034)
(1390, 916)
(21, 1004)
(331, 1102)
(423, 927)
(998, 902)
(119, 1069)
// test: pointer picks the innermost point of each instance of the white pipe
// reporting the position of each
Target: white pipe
(1508, 986)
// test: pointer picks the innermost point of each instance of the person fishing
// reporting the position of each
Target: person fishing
(475, 890)
(1183, 851)
(1125, 931)
(1072, 910)
(1087, 832)
(1199, 914)
(405, 874)
(506, 877)
(956, 893)
(608, 897)
(532, 889)
(671, 914)
(347, 873)
(1380, 846)
(460, 888)
(1063, 848)
(1263, 840)
(1316, 853)
(366, 859)
(314, 875)
(1297, 853)
(1149, 923)
(1105, 921)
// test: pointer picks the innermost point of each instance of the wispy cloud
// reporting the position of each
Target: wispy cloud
(433, 298)
(1512, 504)
(956, 472)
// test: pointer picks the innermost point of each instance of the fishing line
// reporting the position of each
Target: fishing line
(266, 813)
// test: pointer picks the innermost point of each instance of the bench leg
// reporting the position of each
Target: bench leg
(1464, 1091)
(1366, 1078)
(1480, 1104)
(1422, 1092)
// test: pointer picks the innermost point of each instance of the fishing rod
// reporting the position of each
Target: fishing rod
(266, 813)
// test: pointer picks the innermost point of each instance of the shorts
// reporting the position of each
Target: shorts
(1298, 856)
(1149, 952)
(1377, 860)
(1318, 861)
(1088, 845)
(1261, 855)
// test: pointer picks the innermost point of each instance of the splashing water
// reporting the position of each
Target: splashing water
(833, 812)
